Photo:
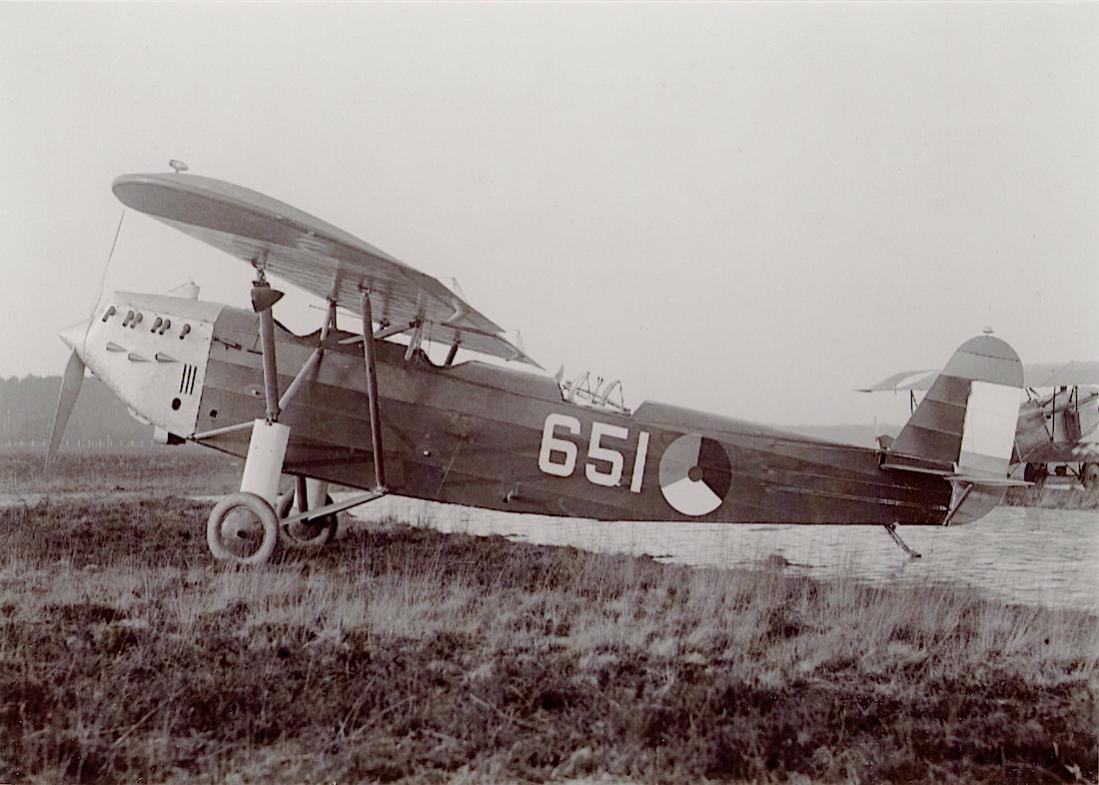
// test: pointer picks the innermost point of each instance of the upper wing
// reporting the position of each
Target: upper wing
(1064, 374)
(314, 255)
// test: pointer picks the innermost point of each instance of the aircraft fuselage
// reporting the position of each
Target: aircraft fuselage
(483, 435)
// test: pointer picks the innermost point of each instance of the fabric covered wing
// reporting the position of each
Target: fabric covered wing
(314, 255)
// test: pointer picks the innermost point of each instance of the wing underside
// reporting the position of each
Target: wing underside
(315, 256)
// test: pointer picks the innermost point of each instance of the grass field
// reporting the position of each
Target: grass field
(401, 654)
(181, 470)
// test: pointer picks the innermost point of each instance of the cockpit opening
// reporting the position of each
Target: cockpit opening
(593, 392)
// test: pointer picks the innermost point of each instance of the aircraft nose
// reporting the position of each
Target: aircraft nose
(73, 336)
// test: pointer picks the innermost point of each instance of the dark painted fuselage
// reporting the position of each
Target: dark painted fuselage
(486, 436)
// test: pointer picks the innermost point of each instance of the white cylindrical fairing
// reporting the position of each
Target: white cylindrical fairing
(316, 491)
(263, 466)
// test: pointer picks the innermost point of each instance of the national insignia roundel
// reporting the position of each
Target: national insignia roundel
(695, 474)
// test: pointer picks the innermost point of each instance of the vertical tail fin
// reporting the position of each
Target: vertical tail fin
(965, 426)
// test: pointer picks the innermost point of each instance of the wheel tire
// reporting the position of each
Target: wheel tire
(229, 525)
(303, 534)
(1089, 477)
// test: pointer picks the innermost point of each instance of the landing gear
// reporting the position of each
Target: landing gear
(243, 528)
(891, 529)
(1036, 473)
(307, 533)
(1089, 478)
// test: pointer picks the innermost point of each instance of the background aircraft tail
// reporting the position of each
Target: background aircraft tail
(964, 429)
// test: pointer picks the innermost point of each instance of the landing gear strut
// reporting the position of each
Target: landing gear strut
(248, 519)
(307, 533)
(891, 529)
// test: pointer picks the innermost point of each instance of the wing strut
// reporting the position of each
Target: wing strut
(263, 297)
(450, 355)
(372, 390)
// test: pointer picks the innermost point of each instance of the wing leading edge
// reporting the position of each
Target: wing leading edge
(313, 255)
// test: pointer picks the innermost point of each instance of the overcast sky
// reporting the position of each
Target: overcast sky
(749, 209)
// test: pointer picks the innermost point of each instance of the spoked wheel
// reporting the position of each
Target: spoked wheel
(306, 534)
(242, 528)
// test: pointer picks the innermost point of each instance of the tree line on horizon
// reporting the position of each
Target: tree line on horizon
(27, 407)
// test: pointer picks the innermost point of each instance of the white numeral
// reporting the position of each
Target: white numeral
(599, 453)
(639, 462)
(551, 444)
(558, 456)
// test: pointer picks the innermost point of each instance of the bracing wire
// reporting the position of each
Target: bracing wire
(103, 279)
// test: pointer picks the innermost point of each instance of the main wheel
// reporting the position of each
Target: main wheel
(1089, 477)
(306, 534)
(242, 528)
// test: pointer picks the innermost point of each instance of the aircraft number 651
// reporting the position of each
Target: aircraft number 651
(605, 464)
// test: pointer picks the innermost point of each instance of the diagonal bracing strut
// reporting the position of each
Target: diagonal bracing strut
(372, 390)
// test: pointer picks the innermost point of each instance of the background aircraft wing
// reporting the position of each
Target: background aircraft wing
(1036, 375)
(314, 255)
(1065, 374)
(905, 380)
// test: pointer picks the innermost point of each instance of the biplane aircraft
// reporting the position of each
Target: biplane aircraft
(1056, 421)
(365, 410)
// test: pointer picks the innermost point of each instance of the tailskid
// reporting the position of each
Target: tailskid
(891, 529)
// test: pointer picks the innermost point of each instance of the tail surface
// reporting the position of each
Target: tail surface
(964, 429)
